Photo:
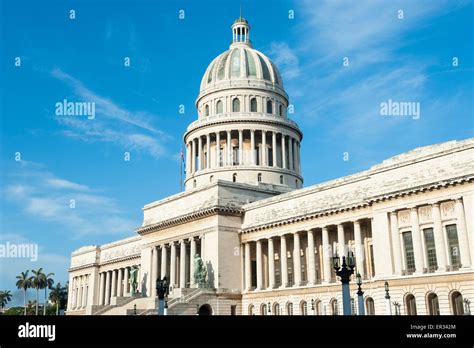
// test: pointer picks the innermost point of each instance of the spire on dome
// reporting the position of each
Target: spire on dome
(241, 30)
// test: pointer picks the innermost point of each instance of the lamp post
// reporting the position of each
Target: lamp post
(387, 300)
(269, 308)
(360, 294)
(344, 272)
(467, 307)
(397, 308)
(162, 291)
(312, 306)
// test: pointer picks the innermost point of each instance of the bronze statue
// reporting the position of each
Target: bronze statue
(200, 272)
(133, 280)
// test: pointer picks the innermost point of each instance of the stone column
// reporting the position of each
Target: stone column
(199, 153)
(125, 282)
(259, 266)
(84, 292)
(283, 150)
(163, 261)
(218, 149)
(311, 259)
(208, 151)
(229, 148)
(154, 271)
(182, 264)
(107, 288)
(191, 260)
(173, 265)
(341, 243)
(297, 259)
(295, 155)
(114, 283)
(241, 147)
(326, 256)
(416, 236)
(264, 148)
(397, 251)
(359, 249)
(283, 262)
(252, 146)
(119, 283)
(290, 149)
(193, 156)
(271, 264)
(102, 289)
(203, 239)
(462, 234)
(248, 270)
(440, 245)
(274, 148)
(188, 159)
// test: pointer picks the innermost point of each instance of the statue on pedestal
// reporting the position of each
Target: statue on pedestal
(133, 280)
(200, 272)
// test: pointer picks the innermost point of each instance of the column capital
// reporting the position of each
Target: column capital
(394, 213)
(240, 130)
(458, 199)
(436, 204)
(191, 239)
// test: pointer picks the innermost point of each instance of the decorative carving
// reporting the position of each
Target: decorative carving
(425, 213)
(447, 210)
(119, 253)
(404, 218)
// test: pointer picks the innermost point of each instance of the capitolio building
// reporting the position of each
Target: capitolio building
(266, 241)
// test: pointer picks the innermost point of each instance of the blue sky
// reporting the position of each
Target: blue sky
(336, 106)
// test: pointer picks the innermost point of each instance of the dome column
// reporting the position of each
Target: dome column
(290, 148)
(252, 146)
(218, 149)
(274, 149)
(241, 149)
(193, 156)
(283, 150)
(188, 159)
(199, 153)
(264, 148)
(229, 148)
(208, 151)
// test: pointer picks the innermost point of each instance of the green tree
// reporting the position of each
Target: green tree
(30, 307)
(56, 295)
(37, 283)
(47, 283)
(23, 282)
(5, 297)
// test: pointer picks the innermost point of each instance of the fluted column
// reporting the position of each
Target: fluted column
(164, 254)
(326, 256)
(125, 282)
(283, 151)
(274, 149)
(102, 288)
(107, 288)
(440, 245)
(341, 240)
(359, 248)
(241, 147)
(193, 156)
(462, 233)
(119, 283)
(252, 146)
(191, 260)
(290, 149)
(248, 270)
(311, 258)
(297, 259)
(114, 283)
(208, 151)
(154, 271)
(229, 148)
(271, 264)
(416, 236)
(264, 148)
(84, 292)
(199, 153)
(397, 250)
(283, 262)
(173, 265)
(218, 149)
(182, 264)
(259, 266)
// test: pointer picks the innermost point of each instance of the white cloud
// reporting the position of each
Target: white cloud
(65, 184)
(285, 59)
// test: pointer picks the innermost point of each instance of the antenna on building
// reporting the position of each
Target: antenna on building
(240, 8)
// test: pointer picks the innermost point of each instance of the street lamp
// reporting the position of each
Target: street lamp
(467, 307)
(344, 272)
(387, 299)
(312, 306)
(360, 294)
(269, 308)
(162, 291)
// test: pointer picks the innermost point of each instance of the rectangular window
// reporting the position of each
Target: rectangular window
(453, 246)
(430, 249)
(409, 254)
(233, 310)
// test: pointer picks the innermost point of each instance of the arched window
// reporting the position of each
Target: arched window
(432, 304)
(269, 107)
(280, 110)
(410, 304)
(370, 306)
(457, 303)
(236, 105)
(259, 177)
(334, 307)
(251, 309)
(304, 308)
(253, 105)
(219, 107)
(289, 308)
(263, 309)
(276, 309)
(281, 179)
(234, 177)
(317, 307)
(211, 178)
(206, 110)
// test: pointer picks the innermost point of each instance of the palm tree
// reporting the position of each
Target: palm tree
(23, 282)
(5, 297)
(37, 281)
(47, 283)
(55, 296)
(31, 305)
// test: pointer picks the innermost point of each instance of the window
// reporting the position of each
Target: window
(409, 254)
(289, 308)
(317, 308)
(236, 105)
(410, 304)
(259, 177)
(457, 303)
(296, 183)
(269, 107)
(334, 307)
(251, 309)
(233, 310)
(206, 110)
(219, 107)
(453, 246)
(433, 304)
(280, 110)
(304, 308)
(370, 306)
(234, 177)
(430, 249)
(253, 105)
(276, 309)
(281, 179)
